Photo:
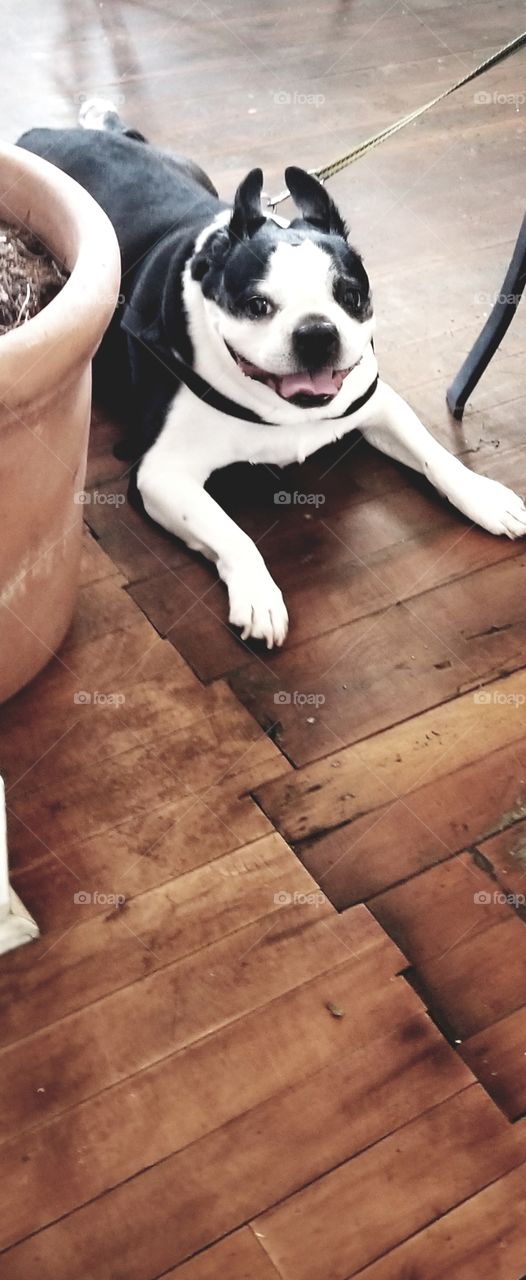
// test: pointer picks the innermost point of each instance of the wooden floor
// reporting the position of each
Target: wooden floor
(275, 1025)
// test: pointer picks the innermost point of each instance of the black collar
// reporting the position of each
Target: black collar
(174, 363)
(210, 395)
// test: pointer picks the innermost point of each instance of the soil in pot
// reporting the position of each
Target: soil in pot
(29, 277)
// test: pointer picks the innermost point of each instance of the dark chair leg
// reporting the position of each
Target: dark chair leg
(494, 329)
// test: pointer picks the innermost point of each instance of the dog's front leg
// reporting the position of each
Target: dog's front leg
(178, 502)
(390, 425)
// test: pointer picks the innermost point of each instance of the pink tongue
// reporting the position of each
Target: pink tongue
(313, 384)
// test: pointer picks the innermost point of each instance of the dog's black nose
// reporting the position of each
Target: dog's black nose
(316, 342)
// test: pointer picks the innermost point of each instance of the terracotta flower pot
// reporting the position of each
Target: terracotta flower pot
(45, 396)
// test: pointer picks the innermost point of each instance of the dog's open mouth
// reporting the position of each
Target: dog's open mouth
(309, 390)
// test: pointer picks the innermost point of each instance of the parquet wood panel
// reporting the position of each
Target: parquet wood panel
(265, 1154)
(483, 1237)
(409, 833)
(425, 748)
(497, 1056)
(359, 1224)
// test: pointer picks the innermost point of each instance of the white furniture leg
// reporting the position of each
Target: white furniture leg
(16, 924)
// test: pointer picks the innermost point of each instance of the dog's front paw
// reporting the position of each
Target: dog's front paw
(494, 507)
(257, 606)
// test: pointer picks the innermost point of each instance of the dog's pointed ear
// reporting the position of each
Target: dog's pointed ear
(247, 214)
(314, 201)
(212, 256)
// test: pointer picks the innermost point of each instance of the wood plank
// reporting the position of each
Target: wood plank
(350, 522)
(95, 564)
(497, 1056)
(425, 361)
(141, 935)
(340, 583)
(104, 434)
(136, 545)
(132, 653)
(191, 612)
(430, 914)
(504, 857)
(471, 988)
(110, 662)
(167, 1109)
(363, 585)
(361, 778)
(101, 607)
(377, 671)
(187, 604)
(226, 748)
(93, 724)
(292, 1037)
(135, 1026)
(489, 441)
(137, 854)
(264, 1153)
(132, 784)
(407, 835)
(453, 931)
(340, 1223)
(240, 1257)
(484, 1237)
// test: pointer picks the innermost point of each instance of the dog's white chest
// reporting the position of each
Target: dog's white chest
(208, 439)
(283, 445)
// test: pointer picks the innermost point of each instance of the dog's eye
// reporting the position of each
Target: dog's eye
(258, 306)
(350, 297)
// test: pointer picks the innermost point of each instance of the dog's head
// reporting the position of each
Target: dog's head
(291, 304)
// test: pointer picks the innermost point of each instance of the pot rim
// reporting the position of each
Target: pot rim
(68, 330)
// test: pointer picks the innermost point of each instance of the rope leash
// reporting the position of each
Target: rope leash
(335, 166)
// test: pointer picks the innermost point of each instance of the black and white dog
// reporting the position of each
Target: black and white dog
(242, 338)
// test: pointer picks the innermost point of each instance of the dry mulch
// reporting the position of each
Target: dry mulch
(29, 277)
